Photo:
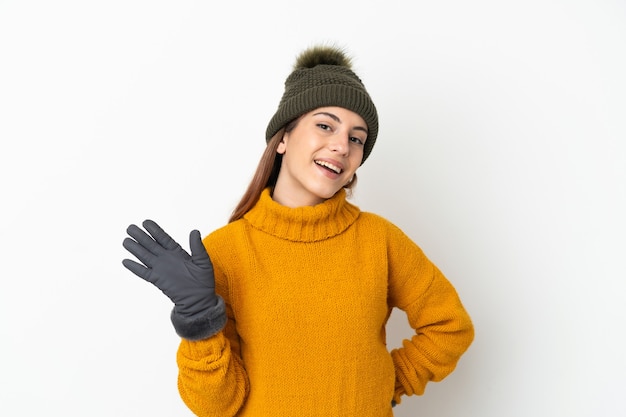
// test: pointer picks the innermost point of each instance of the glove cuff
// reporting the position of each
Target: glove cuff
(200, 326)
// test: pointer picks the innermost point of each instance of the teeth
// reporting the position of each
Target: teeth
(330, 166)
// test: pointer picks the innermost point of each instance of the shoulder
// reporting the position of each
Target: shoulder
(379, 223)
(227, 241)
(225, 234)
(227, 245)
(378, 229)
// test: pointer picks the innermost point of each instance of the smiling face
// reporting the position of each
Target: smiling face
(320, 156)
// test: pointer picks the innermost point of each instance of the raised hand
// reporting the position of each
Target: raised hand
(186, 279)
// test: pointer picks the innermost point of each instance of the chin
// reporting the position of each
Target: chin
(323, 191)
(326, 194)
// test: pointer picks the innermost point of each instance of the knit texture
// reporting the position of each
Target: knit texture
(308, 292)
(322, 76)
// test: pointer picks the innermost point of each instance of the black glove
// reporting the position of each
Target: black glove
(187, 280)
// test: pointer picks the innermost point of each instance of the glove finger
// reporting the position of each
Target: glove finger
(161, 236)
(136, 268)
(144, 239)
(199, 255)
(139, 251)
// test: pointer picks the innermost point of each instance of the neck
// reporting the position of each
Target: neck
(304, 223)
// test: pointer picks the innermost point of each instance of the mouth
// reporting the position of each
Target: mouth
(329, 166)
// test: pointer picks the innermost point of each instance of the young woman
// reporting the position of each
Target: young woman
(282, 312)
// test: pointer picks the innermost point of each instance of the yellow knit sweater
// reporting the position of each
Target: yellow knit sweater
(308, 293)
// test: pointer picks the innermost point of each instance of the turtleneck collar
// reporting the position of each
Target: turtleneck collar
(303, 224)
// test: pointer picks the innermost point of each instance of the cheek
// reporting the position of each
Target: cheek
(356, 158)
(354, 165)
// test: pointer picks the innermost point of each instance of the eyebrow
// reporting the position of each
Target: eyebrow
(338, 120)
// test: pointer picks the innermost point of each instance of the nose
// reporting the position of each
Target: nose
(340, 143)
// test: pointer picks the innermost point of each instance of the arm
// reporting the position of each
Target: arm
(443, 328)
(212, 380)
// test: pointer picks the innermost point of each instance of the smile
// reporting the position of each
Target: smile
(328, 165)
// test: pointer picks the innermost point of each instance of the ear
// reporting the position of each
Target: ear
(282, 146)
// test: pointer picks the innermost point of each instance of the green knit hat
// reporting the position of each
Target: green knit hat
(322, 76)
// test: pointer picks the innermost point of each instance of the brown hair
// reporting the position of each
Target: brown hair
(266, 173)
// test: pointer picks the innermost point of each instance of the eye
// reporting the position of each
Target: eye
(323, 126)
(356, 140)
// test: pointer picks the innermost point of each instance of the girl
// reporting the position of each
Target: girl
(282, 312)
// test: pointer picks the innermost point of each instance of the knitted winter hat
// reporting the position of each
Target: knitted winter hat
(322, 76)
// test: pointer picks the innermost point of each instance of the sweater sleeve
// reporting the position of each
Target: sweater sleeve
(443, 328)
(212, 380)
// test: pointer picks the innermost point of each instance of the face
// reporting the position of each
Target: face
(320, 156)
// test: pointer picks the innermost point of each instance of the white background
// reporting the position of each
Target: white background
(502, 153)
